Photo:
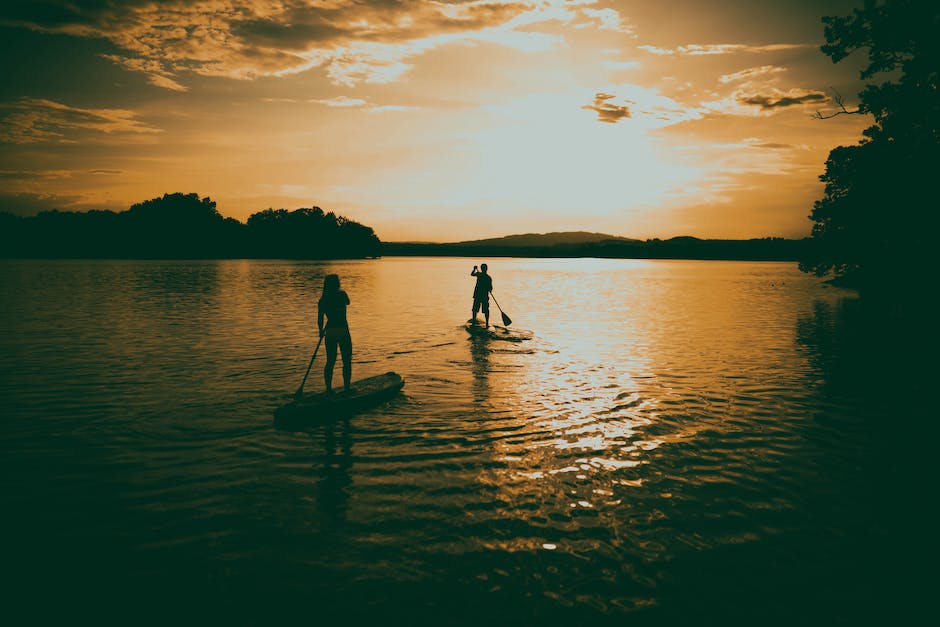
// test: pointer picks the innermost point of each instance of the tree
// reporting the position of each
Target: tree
(310, 233)
(875, 223)
(176, 225)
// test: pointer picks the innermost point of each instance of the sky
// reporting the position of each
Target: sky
(442, 120)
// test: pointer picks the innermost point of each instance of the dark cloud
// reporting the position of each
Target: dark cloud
(27, 204)
(50, 13)
(606, 111)
(60, 67)
(33, 175)
(773, 146)
(777, 101)
(294, 36)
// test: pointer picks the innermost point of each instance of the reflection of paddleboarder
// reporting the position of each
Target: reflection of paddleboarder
(333, 305)
(481, 293)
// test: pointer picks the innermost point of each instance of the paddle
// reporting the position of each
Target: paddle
(300, 390)
(506, 319)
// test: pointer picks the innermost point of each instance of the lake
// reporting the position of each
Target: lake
(671, 442)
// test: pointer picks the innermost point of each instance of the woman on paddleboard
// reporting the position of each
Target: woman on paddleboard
(332, 305)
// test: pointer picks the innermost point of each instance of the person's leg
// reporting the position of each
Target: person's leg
(476, 308)
(486, 311)
(345, 345)
(331, 342)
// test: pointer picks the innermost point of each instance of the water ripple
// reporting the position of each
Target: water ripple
(592, 461)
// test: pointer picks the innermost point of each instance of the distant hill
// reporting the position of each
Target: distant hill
(585, 244)
(561, 238)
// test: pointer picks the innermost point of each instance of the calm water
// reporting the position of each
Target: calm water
(679, 442)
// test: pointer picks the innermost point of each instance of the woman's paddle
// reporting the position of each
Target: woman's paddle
(506, 319)
(300, 390)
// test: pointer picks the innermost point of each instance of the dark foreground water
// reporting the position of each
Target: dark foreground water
(675, 443)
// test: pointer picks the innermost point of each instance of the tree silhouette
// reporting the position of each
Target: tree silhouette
(875, 223)
(185, 226)
(309, 233)
(178, 225)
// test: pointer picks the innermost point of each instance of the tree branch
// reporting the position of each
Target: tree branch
(839, 101)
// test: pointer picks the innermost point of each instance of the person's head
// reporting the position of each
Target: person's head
(331, 284)
(483, 267)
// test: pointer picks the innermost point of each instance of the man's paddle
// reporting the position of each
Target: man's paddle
(300, 390)
(506, 319)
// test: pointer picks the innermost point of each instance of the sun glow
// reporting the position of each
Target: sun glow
(544, 153)
(435, 121)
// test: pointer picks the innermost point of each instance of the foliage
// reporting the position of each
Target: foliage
(184, 226)
(282, 233)
(874, 225)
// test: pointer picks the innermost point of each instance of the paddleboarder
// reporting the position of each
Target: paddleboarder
(332, 305)
(481, 293)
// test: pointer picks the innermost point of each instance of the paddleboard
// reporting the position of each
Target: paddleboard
(497, 332)
(362, 394)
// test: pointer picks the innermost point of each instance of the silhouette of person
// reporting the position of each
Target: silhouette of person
(481, 293)
(332, 304)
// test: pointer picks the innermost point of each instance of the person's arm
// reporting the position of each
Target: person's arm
(474, 271)
(320, 319)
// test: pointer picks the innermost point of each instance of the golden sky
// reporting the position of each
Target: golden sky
(431, 121)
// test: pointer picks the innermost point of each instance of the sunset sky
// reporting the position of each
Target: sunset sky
(439, 121)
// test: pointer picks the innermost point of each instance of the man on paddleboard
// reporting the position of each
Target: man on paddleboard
(481, 293)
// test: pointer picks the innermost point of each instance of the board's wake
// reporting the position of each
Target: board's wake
(497, 332)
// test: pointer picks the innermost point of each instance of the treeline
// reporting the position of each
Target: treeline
(875, 226)
(764, 249)
(184, 226)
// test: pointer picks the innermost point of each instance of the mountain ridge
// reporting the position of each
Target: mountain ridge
(553, 238)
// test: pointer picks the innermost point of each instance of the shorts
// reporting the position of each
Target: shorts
(335, 333)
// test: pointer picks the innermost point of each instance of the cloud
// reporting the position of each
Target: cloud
(754, 142)
(774, 146)
(28, 204)
(608, 19)
(353, 41)
(31, 120)
(621, 65)
(712, 49)
(342, 101)
(776, 100)
(381, 108)
(34, 175)
(156, 74)
(751, 73)
(757, 91)
(606, 111)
